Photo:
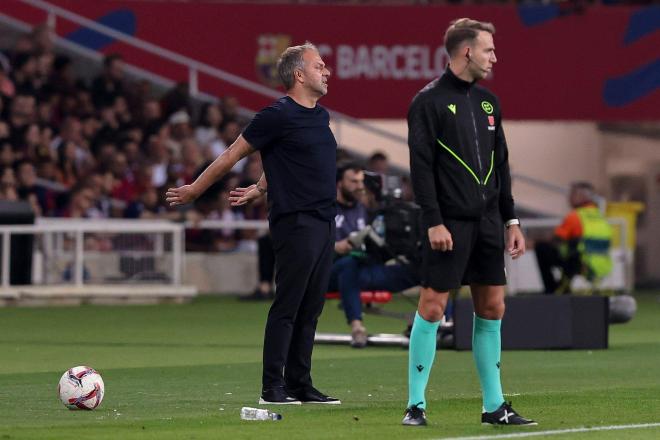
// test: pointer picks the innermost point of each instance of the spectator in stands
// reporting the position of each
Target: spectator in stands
(71, 133)
(24, 74)
(8, 185)
(28, 189)
(109, 125)
(84, 102)
(179, 131)
(151, 116)
(581, 243)
(91, 130)
(228, 134)
(63, 78)
(107, 86)
(46, 169)
(230, 109)
(134, 157)
(157, 155)
(81, 200)
(102, 185)
(27, 148)
(191, 160)
(44, 150)
(147, 206)
(67, 173)
(355, 270)
(7, 156)
(124, 180)
(176, 99)
(43, 73)
(7, 88)
(122, 112)
(22, 112)
(209, 125)
(5, 131)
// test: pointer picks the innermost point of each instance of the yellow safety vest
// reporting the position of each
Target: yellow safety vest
(594, 245)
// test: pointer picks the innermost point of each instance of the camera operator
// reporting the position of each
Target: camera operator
(355, 270)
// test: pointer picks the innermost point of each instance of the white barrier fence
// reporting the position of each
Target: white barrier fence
(522, 274)
(95, 259)
(134, 259)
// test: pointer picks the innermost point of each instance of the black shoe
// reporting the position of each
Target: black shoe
(277, 396)
(312, 395)
(505, 415)
(414, 416)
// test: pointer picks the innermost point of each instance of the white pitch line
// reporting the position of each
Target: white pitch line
(557, 432)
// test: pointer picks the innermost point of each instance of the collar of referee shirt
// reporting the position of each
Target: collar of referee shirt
(456, 81)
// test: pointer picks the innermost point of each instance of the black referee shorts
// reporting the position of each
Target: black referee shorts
(477, 256)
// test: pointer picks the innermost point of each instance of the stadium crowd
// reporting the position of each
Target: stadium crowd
(109, 148)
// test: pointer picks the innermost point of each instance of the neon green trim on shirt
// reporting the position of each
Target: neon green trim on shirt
(490, 171)
(460, 160)
(492, 159)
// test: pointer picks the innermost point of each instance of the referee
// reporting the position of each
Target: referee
(298, 151)
(460, 175)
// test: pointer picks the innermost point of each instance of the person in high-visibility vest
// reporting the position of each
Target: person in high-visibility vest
(581, 246)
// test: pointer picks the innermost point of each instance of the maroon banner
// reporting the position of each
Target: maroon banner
(601, 63)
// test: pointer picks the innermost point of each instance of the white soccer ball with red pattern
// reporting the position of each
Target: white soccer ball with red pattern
(81, 388)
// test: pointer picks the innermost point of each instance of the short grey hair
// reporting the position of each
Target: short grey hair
(290, 60)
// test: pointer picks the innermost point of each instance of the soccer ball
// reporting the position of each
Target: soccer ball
(81, 388)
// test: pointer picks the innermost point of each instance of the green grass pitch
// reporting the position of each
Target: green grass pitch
(184, 372)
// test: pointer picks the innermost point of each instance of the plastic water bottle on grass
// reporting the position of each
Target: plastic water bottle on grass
(248, 413)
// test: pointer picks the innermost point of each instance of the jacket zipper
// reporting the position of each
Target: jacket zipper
(476, 140)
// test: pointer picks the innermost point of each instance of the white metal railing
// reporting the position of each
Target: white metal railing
(259, 225)
(78, 228)
(522, 273)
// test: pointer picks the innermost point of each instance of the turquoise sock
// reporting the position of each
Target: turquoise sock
(486, 348)
(420, 358)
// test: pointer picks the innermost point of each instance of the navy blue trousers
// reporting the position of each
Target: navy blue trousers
(350, 276)
(304, 247)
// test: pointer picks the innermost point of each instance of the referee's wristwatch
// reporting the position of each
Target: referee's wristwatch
(513, 221)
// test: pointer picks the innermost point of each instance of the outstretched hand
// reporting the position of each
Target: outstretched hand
(181, 195)
(243, 196)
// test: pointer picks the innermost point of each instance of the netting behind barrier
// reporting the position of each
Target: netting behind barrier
(107, 258)
(79, 253)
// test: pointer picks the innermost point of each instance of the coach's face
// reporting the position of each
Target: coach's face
(315, 73)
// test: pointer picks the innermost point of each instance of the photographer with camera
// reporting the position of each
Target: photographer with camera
(354, 269)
